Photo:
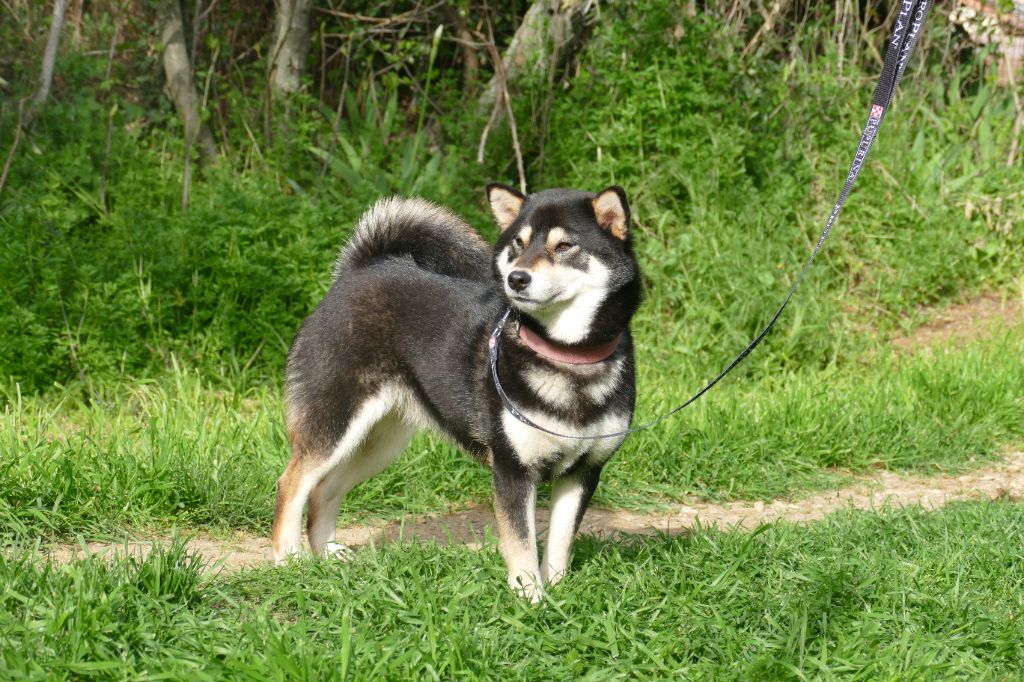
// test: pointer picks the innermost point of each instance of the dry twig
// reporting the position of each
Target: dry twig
(487, 130)
(766, 26)
(340, 109)
(421, 14)
(499, 72)
(14, 145)
(1018, 121)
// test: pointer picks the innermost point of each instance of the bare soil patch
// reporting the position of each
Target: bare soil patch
(1002, 481)
(980, 317)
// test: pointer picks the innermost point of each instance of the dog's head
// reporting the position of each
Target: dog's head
(565, 259)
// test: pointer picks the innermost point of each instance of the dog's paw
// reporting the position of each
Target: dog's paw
(338, 551)
(284, 556)
(531, 592)
(527, 587)
(552, 576)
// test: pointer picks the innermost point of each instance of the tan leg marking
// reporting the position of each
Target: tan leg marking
(305, 471)
(520, 553)
(292, 489)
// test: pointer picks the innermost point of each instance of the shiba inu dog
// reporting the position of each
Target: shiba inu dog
(400, 343)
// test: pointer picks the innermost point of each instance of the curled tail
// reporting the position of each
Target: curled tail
(435, 238)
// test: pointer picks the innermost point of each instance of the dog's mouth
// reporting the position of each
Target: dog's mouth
(529, 301)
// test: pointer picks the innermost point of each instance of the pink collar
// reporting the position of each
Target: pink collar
(574, 355)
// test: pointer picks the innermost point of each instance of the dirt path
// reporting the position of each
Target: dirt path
(978, 318)
(1005, 480)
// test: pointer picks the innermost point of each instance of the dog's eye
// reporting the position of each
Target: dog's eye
(518, 243)
(563, 247)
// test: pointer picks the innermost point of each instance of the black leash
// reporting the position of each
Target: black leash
(905, 33)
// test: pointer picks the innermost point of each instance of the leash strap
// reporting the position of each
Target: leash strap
(905, 34)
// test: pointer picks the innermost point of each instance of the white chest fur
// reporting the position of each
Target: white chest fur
(556, 389)
(536, 448)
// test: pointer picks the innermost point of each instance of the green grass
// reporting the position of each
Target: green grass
(784, 430)
(178, 453)
(894, 595)
(143, 349)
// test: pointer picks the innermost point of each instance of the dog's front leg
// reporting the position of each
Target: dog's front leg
(570, 496)
(515, 510)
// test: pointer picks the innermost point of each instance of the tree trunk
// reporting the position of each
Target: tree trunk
(291, 45)
(180, 87)
(552, 33)
(49, 57)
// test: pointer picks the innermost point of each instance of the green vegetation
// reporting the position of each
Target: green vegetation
(901, 594)
(143, 347)
(180, 453)
(731, 164)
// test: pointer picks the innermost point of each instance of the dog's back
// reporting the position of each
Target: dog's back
(412, 283)
(410, 275)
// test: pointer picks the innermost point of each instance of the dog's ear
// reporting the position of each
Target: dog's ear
(505, 204)
(612, 211)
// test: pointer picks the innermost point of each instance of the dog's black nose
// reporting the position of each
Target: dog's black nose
(519, 280)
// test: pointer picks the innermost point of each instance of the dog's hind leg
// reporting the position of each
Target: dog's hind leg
(292, 490)
(570, 496)
(309, 465)
(383, 444)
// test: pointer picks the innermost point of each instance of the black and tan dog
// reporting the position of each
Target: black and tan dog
(400, 343)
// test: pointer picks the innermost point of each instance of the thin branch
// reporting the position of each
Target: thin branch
(470, 60)
(1018, 122)
(207, 11)
(766, 26)
(341, 107)
(113, 48)
(487, 130)
(106, 159)
(499, 71)
(413, 81)
(414, 15)
(14, 145)
(187, 181)
(323, 65)
(209, 78)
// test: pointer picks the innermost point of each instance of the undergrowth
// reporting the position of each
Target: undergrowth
(731, 163)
